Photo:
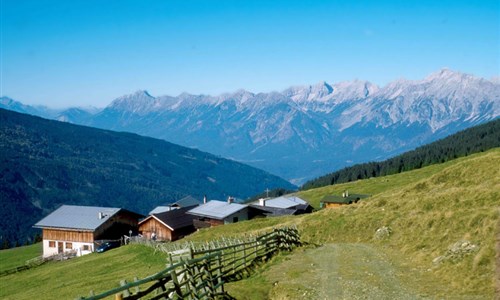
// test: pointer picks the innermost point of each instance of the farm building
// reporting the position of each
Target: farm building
(161, 209)
(72, 228)
(331, 201)
(215, 212)
(168, 226)
(188, 201)
(284, 205)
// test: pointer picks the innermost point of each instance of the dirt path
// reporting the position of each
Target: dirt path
(340, 271)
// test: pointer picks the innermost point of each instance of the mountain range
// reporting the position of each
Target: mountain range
(46, 163)
(304, 131)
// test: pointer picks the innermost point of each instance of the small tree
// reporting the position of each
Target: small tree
(5, 243)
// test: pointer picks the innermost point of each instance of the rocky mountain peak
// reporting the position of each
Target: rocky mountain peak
(447, 75)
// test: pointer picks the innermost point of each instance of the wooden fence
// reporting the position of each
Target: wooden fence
(37, 261)
(200, 272)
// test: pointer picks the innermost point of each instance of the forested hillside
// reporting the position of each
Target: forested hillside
(476, 139)
(48, 163)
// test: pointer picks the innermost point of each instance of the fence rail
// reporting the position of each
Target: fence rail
(37, 261)
(199, 272)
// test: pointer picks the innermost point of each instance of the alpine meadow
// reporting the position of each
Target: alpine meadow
(250, 150)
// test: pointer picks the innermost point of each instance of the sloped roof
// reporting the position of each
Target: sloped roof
(216, 209)
(352, 198)
(187, 201)
(275, 211)
(77, 217)
(160, 209)
(285, 202)
(173, 219)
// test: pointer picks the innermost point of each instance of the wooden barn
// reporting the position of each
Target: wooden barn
(168, 226)
(72, 228)
(332, 201)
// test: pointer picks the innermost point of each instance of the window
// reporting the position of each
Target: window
(86, 248)
(235, 219)
(69, 245)
(52, 244)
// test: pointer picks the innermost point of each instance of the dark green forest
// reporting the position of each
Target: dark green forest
(476, 139)
(45, 164)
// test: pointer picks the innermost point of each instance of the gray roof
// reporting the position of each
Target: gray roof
(274, 211)
(216, 209)
(285, 202)
(160, 209)
(77, 217)
(187, 201)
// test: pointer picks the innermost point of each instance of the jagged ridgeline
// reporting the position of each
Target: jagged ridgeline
(476, 139)
(47, 163)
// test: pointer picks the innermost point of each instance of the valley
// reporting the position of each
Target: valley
(249, 150)
(305, 131)
(47, 163)
(428, 210)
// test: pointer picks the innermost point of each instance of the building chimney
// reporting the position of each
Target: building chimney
(100, 215)
(262, 202)
(230, 199)
(204, 199)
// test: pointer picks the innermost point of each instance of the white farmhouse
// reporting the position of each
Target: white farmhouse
(73, 228)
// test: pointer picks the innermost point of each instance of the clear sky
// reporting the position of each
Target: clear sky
(78, 53)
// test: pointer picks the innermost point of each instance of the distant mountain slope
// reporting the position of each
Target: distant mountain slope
(472, 140)
(306, 131)
(47, 163)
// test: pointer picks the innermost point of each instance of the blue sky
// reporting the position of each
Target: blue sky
(68, 53)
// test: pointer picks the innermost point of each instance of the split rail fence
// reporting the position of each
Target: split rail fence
(37, 261)
(200, 272)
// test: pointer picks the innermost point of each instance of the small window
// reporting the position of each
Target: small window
(86, 248)
(69, 245)
(235, 219)
(52, 244)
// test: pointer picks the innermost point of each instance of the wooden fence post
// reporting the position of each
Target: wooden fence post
(125, 293)
(204, 277)
(177, 287)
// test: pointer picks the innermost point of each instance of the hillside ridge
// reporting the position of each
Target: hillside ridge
(306, 131)
(48, 163)
(428, 209)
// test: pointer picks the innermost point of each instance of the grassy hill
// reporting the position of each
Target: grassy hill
(472, 140)
(47, 163)
(15, 257)
(76, 277)
(428, 210)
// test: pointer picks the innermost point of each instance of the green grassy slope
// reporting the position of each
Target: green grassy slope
(76, 277)
(428, 210)
(476, 139)
(15, 257)
(461, 201)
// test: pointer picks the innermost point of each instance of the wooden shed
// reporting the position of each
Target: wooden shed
(168, 226)
(332, 201)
